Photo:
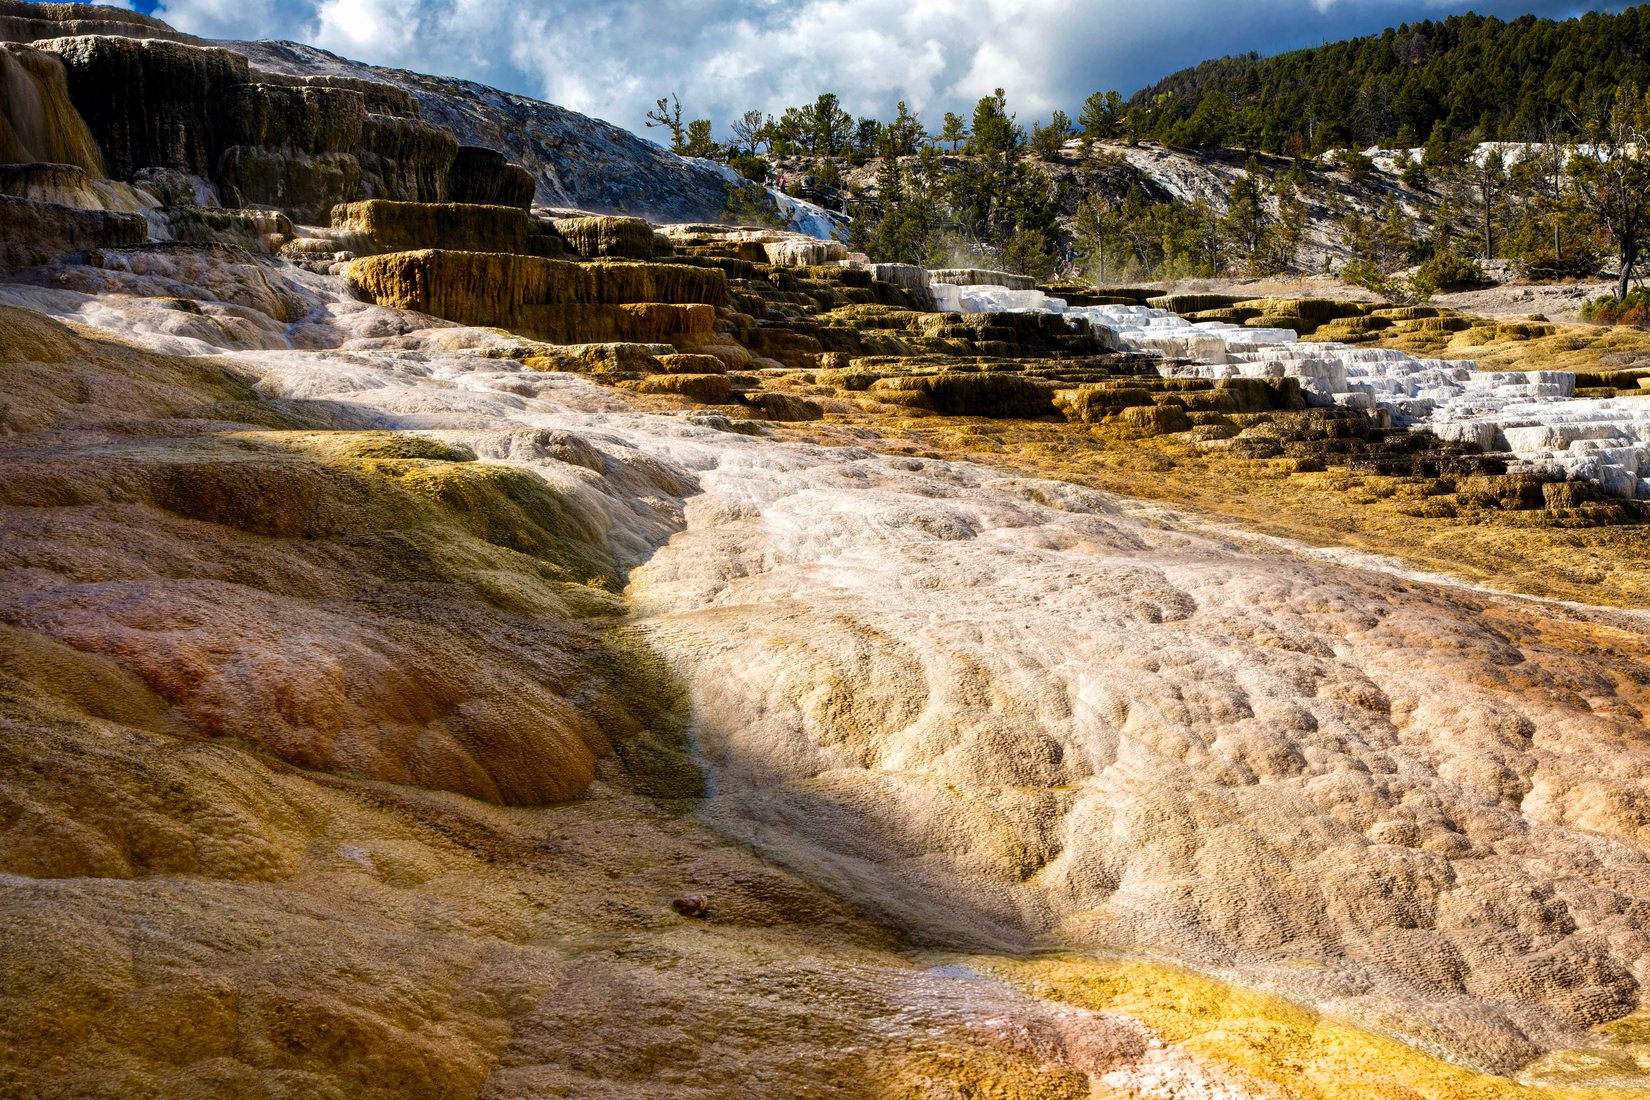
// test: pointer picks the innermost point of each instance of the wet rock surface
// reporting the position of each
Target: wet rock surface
(38, 121)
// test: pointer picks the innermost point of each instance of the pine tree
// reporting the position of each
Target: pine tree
(1048, 141)
(1247, 218)
(667, 112)
(867, 136)
(1101, 115)
(826, 127)
(904, 136)
(1289, 234)
(995, 133)
(1488, 179)
(698, 142)
(1610, 171)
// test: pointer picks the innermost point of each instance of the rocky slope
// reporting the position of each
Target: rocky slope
(1109, 170)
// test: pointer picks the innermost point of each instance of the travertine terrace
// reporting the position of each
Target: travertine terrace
(455, 647)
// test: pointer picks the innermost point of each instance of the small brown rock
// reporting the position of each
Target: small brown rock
(692, 905)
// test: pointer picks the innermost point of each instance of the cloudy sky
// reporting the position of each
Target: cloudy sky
(613, 58)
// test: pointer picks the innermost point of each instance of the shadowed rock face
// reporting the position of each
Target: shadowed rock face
(407, 159)
(300, 143)
(38, 123)
(484, 177)
(202, 111)
(34, 232)
(576, 162)
(151, 103)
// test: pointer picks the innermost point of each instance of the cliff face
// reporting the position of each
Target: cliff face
(38, 121)
(407, 157)
(25, 22)
(267, 140)
(519, 151)
(150, 103)
(575, 161)
(128, 102)
(484, 177)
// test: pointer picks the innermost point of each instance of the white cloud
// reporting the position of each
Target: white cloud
(612, 59)
(239, 18)
(371, 28)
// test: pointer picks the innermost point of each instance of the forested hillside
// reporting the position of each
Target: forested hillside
(1471, 75)
(1251, 165)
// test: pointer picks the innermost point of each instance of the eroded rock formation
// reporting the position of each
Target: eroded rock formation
(302, 143)
(38, 121)
(34, 232)
(149, 102)
(484, 177)
(615, 238)
(550, 299)
(203, 111)
(408, 227)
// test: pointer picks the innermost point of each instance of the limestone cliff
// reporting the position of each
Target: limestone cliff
(22, 21)
(38, 121)
(484, 176)
(570, 161)
(298, 145)
(155, 106)
(148, 102)
(575, 161)
(551, 299)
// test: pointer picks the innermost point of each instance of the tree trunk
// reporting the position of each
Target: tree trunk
(1629, 258)
(1489, 238)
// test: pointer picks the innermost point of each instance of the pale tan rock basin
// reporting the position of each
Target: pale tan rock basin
(935, 705)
